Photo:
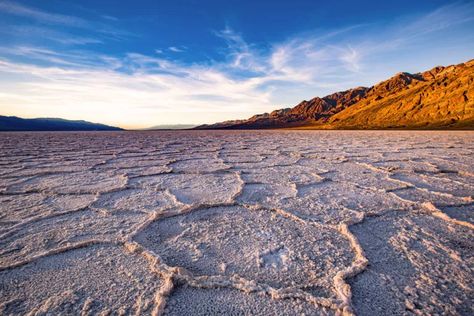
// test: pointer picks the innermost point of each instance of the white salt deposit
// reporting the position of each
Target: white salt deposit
(237, 223)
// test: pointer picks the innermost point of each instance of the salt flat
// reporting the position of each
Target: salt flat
(237, 222)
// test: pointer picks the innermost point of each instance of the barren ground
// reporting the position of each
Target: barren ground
(237, 223)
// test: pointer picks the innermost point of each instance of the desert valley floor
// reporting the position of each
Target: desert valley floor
(237, 223)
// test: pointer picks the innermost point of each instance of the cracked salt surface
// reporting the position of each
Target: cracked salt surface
(237, 223)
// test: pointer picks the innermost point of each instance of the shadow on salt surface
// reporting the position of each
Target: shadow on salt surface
(299, 175)
(439, 183)
(236, 156)
(364, 176)
(460, 212)
(88, 281)
(254, 193)
(83, 182)
(135, 162)
(351, 196)
(436, 198)
(405, 165)
(202, 302)
(138, 200)
(237, 241)
(15, 209)
(462, 164)
(134, 172)
(194, 188)
(6, 182)
(269, 160)
(204, 165)
(325, 202)
(31, 171)
(412, 265)
(46, 235)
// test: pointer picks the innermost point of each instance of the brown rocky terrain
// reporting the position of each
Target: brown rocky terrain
(442, 97)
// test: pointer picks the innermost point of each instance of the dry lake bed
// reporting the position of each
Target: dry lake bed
(237, 223)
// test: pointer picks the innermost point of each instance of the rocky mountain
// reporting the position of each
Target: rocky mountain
(442, 97)
(13, 123)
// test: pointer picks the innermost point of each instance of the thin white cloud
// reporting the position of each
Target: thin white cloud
(47, 33)
(40, 15)
(110, 18)
(177, 49)
(442, 18)
(49, 18)
(239, 53)
(133, 100)
(413, 30)
(351, 57)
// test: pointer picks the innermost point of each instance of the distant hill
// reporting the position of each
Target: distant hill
(13, 123)
(172, 126)
(440, 98)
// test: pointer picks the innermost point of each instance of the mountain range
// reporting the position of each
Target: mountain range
(171, 126)
(440, 98)
(13, 123)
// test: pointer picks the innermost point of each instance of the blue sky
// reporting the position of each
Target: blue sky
(143, 63)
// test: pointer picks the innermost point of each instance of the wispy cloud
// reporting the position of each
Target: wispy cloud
(47, 33)
(177, 49)
(110, 18)
(418, 30)
(40, 15)
(442, 18)
(162, 97)
(55, 19)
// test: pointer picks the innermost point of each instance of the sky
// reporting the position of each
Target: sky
(138, 64)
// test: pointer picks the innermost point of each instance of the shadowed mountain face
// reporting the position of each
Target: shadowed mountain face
(442, 97)
(13, 123)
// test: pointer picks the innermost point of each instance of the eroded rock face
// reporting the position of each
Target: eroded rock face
(306, 112)
(211, 222)
(442, 97)
(322, 108)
